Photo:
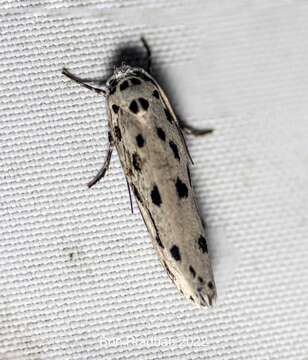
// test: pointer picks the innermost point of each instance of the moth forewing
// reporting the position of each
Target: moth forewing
(155, 159)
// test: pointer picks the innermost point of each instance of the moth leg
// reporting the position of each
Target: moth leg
(106, 164)
(190, 130)
(83, 82)
(149, 53)
(130, 196)
(97, 81)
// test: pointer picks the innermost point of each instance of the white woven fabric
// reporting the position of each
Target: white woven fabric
(78, 276)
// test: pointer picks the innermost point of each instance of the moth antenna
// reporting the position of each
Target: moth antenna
(130, 196)
(82, 82)
(149, 53)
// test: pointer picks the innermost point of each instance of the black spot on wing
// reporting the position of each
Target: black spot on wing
(191, 299)
(202, 244)
(143, 76)
(181, 188)
(135, 81)
(133, 107)
(156, 94)
(113, 82)
(156, 230)
(175, 253)
(188, 174)
(115, 108)
(140, 140)
(210, 285)
(161, 134)
(144, 103)
(175, 150)
(136, 162)
(147, 78)
(112, 90)
(192, 271)
(200, 279)
(113, 86)
(124, 85)
(155, 196)
(136, 193)
(159, 242)
(168, 115)
(203, 223)
(172, 277)
(117, 133)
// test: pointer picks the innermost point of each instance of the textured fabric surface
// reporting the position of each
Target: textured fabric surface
(78, 276)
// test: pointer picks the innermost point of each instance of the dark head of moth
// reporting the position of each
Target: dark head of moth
(134, 93)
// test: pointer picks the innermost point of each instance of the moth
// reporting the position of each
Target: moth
(155, 159)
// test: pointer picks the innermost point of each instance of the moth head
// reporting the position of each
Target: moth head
(119, 73)
(125, 71)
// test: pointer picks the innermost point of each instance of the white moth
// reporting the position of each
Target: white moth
(155, 160)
